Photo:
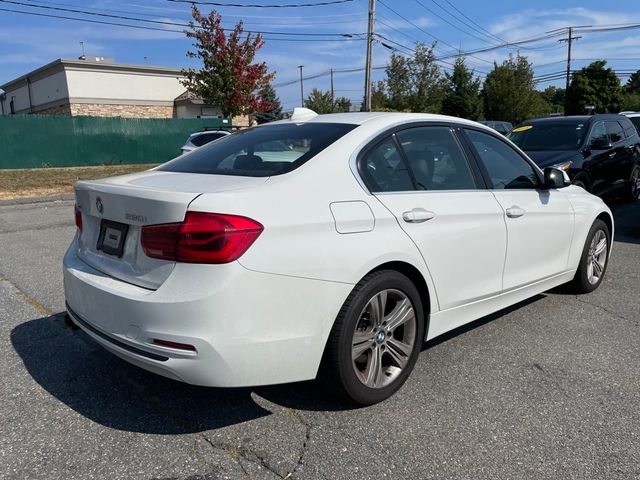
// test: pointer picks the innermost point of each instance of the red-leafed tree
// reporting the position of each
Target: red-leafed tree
(228, 78)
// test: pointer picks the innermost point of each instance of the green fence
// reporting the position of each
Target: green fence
(33, 141)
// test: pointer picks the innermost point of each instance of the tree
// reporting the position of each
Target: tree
(319, 101)
(462, 95)
(379, 98)
(398, 82)
(633, 84)
(594, 85)
(228, 78)
(428, 84)
(341, 104)
(554, 97)
(509, 92)
(415, 84)
(268, 94)
(631, 102)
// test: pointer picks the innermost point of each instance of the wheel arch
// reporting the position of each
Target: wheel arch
(584, 176)
(416, 277)
(608, 221)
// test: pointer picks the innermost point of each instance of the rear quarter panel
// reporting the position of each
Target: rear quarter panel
(300, 237)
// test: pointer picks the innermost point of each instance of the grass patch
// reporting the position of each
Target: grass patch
(40, 182)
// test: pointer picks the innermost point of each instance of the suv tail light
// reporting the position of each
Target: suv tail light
(78, 213)
(201, 238)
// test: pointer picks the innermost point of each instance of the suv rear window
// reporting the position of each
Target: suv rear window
(261, 151)
(204, 138)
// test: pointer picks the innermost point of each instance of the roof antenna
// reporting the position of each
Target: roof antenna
(83, 56)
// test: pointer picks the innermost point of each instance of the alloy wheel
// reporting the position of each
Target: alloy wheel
(597, 257)
(384, 338)
(635, 183)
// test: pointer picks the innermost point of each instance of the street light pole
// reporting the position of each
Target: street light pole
(301, 87)
(367, 72)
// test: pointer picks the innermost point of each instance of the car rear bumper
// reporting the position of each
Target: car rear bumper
(247, 328)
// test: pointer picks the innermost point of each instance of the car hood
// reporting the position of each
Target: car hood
(546, 158)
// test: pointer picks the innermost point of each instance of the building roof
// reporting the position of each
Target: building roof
(88, 64)
(189, 97)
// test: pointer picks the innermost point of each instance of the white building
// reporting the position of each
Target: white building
(99, 86)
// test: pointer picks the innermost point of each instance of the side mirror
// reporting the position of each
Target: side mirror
(555, 178)
(601, 144)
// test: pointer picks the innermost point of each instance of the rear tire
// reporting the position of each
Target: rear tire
(594, 259)
(633, 189)
(376, 339)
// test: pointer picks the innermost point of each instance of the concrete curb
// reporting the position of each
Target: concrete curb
(27, 201)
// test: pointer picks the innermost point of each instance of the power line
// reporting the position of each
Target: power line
(452, 24)
(270, 18)
(162, 22)
(166, 30)
(425, 32)
(257, 5)
(480, 27)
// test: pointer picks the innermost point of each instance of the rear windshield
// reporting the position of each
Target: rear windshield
(262, 151)
(549, 135)
(203, 138)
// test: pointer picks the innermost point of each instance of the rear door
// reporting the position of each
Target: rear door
(600, 163)
(623, 152)
(539, 222)
(422, 176)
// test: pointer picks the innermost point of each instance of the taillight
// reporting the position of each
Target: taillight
(78, 218)
(201, 238)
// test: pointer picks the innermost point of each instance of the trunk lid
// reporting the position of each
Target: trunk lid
(146, 198)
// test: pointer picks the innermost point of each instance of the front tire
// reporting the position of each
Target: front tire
(594, 259)
(376, 339)
(581, 182)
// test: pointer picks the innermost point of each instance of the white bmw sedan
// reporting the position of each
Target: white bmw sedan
(323, 245)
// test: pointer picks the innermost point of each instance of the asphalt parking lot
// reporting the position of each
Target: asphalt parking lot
(547, 389)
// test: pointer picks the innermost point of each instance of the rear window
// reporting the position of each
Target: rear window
(549, 135)
(203, 138)
(636, 122)
(262, 151)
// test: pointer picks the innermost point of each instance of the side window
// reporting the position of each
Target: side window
(385, 169)
(629, 129)
(614, 131)
(435, 158)
(598, 132)
(506, 168)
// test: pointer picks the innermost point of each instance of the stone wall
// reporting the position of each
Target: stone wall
(127, 111)
(60, 110)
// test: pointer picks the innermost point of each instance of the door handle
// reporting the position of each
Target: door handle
(611, 155)
(515, 212)
(417, 215)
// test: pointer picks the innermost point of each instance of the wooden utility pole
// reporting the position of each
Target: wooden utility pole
(331, 73)
(367, 71)
(570, 38)
(301, 87)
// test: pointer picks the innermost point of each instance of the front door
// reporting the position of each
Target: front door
(539, 221)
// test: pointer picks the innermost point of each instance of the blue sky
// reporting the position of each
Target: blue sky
(27, 42)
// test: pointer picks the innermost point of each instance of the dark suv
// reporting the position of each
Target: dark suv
(598, 152)
(503, 127)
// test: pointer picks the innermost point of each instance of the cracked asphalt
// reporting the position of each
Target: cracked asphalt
(547, 389)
